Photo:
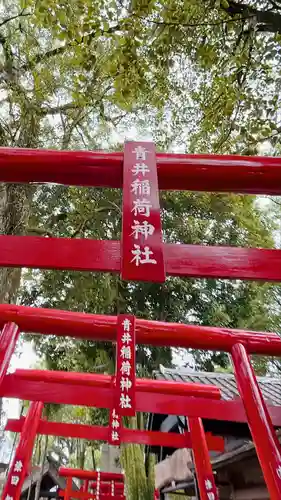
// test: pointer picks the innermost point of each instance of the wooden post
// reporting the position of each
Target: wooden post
(203, 467)
(20, 464)
(260, 424)
(8, 339)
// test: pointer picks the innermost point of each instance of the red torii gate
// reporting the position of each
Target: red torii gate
(140, 255)
(33, 425)
(104, 485)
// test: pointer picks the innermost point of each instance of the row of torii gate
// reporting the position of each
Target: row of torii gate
(141, 255)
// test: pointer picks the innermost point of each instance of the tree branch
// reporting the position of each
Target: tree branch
(194, 25)
(47, 55)
(80, 229)
(8, 65)
(83, 224)
(80, 133)
(16, 16)
(225, 138)
(39, 231)
(58, 109)
(275, 5)
(60, 50)
(273, 135)
(275, 201)
(266, 21)
(81, 114)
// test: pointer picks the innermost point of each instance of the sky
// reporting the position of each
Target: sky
(26, 359)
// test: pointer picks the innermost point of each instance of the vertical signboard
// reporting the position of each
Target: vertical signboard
(115, 423)
(15, 480)
(142, 246)
(210, 488)
(126, 365)
(203, 467)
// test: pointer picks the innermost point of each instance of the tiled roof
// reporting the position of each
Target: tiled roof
(270, 387)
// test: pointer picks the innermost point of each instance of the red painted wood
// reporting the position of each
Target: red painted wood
(82, 495)
(104, 256)
(49, 392)
(99, 433)
(105, 484)
(260, 424)
(242, 174)
(168, 439)
(106, 487)
(165, 439)
(204, 473)
(101, 327)
(142, 247)
(100, 477)
(8, 339)
(59, 253)
(201, 261)
(90, 474)
(98, 486)
(125, 392)
(85, 486)
(20, 463)
(68, 488)
(107, 381)
(91, 432)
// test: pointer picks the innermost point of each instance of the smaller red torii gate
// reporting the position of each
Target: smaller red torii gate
(96, 485)
(33, 424)
(56, 386)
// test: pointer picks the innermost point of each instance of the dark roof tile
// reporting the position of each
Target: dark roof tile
(270, 387)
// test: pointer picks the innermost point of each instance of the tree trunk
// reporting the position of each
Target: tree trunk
(15, 202)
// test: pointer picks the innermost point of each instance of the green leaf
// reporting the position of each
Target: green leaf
(105, 26)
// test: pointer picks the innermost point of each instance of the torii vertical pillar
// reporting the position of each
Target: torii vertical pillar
(20, 464)
(260, 424)
(8, 339)
(68, 488)
(203, 467)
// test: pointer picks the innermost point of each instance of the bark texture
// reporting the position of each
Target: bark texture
(14, 215)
